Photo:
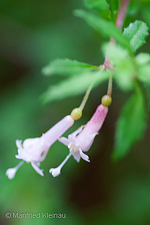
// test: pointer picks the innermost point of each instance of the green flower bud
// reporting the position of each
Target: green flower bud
(106, 100)
(76, 113)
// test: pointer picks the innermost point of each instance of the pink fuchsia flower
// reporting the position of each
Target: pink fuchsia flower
(34, 150)
(81, 140)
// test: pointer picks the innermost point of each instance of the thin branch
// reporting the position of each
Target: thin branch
(122, 13)
(119, 23)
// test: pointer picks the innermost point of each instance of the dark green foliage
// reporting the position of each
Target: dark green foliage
(130, 126)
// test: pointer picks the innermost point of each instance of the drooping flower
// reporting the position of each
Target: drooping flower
(81, 140)
(34, 150)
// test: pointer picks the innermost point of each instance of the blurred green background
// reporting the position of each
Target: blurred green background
(33, 32)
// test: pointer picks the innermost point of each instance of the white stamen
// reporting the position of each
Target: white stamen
(12, 171)
(56, 171)
(73, 147)
(35, 166)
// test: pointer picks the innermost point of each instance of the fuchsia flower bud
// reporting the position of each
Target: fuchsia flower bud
(81, 140)
(34, 150)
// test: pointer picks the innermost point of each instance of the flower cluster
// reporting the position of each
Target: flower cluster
(34, 150)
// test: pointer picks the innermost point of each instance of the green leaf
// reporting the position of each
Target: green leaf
(98, 5)
(115, 53)
(144, 74)
(136, 33)
(146, 93)
(74, 85)
(113, 5)
(143, 58)
(67, 67)
(143, 67)
(130, 126)
(123, 66)
(104, 27)
(146, 15)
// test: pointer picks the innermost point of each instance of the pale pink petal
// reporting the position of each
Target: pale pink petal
(37, 169)
(97, 120)
(64, 140)
(19, 144)
(23, 155)
(90, 142)
(58, 129)
(43, 142)
(85, 140)
(75, 133)
(84, 156)
(30, 141)
(76, 155)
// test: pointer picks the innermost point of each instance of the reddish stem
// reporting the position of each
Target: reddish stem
(121, 13)
(119, 22)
